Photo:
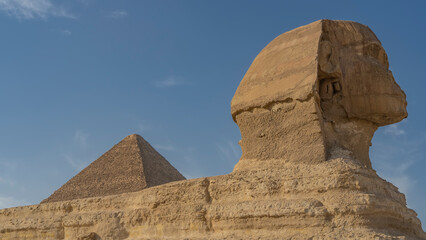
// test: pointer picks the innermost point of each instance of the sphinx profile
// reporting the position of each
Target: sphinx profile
(315, 93)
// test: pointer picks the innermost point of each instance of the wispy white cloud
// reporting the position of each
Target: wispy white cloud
(117, 14)
(395, 158)
(32, 9)
(404, 183)
(77, 156)
(398, 174)
(65, 32)
(6, 181)
(192, 175)
(394, 129)
(80, 138)
(394, 170)
(8, 202)
(7, 165)
(229, 151)
(191, 172)
(143, 127)
(76, 163)
(165, 147)
(169, 82)
(86, 2)
(7, 173)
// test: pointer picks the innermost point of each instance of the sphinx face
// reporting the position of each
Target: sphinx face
(357, 90)
(369, 89)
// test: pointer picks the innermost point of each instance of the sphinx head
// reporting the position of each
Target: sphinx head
(314, 93)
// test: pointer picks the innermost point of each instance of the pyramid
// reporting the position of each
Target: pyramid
(130, 166)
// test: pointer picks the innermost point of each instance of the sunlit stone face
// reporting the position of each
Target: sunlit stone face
(370, 90)
(357, 91)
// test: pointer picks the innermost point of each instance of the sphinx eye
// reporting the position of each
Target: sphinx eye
(373, 50)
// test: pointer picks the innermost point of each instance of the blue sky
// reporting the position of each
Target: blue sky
(78, 76)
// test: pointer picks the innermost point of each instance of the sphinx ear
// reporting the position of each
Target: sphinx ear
(328, 59)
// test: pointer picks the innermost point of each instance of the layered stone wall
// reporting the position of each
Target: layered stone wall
(336, 199)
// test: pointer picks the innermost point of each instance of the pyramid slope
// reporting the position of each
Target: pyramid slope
(130, 166)
(156, 169)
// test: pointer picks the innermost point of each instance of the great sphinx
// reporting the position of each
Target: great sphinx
(316, 93)
(307, 109)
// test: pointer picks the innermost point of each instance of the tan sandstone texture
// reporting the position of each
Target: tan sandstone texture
(307, 109)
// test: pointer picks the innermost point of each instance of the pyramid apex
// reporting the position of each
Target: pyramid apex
(133, 139)
(133, 136)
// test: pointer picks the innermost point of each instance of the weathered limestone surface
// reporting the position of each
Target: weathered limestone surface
(336, 199)
(307, 110)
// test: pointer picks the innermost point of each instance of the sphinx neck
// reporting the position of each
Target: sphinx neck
(282, 132)
(296, 132)
(349, 139)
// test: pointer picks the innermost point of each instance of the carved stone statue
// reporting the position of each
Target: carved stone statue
(315, 93)
(307, 110)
